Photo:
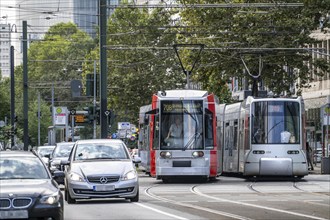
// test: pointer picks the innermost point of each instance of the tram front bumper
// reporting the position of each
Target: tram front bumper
(275, 167)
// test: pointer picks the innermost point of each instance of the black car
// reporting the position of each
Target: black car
(27, 189)
(60, 153)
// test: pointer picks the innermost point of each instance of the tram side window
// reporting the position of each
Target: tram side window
(208, 131)
(235, 134)
(156, 133)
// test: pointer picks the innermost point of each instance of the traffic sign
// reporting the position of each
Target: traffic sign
(72, 111)
(107, 112)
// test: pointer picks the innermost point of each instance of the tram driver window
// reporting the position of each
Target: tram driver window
(209, 131)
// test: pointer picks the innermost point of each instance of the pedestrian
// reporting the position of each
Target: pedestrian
(309, 156)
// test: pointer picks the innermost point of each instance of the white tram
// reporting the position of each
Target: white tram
(264, 137)
(190, 150)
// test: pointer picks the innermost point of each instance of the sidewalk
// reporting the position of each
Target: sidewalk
(317, 169)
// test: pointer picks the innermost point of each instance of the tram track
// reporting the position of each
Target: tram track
(183, 204)
(194, 189)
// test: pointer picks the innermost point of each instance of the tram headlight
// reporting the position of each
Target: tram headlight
(198, 154)
(165, 154)
(258, 152)
(293, 152)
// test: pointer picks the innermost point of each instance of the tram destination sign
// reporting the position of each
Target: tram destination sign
(181, 107)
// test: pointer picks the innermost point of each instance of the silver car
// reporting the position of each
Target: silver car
(100, 168)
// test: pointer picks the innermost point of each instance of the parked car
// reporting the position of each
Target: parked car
(100, 168)
(27, 188)
(317, 155)
(61, 152)
(44, 152)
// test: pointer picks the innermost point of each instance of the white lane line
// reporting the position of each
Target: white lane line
(196, 207)
(161, 212)
(196, 191)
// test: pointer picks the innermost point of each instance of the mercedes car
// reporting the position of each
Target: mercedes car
(28, 191)
(100, 168)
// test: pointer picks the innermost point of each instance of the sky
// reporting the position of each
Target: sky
(7, 15)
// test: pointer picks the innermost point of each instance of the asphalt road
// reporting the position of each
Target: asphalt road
(225, 198)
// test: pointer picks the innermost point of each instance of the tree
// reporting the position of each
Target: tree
(53, 61)
(250, 33)
(135, 74)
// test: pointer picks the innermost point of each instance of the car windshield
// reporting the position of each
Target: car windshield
(42, 151)
(63, 150)
(91, 151)
(22, 168)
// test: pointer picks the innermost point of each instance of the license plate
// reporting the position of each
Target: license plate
(104, 188)
(17, 214)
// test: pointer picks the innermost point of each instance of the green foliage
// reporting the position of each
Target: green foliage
(5, 98)
(135, 74)
(236, 31)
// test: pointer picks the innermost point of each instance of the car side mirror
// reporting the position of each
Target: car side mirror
(65, 162)
(137, 160)
(47, 156)
(58, 174)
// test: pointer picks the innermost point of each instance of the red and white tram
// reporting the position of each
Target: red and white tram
(179, 136)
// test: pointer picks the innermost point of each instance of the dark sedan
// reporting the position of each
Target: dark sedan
(27, 189)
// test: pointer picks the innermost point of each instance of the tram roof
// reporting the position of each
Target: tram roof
(186, 93)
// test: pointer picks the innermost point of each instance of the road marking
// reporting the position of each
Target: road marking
(164, 213)
(197, 192)
(196, 207)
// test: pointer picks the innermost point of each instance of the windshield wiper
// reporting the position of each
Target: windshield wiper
(192, 140)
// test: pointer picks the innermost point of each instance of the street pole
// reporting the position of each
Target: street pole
(38, 119)
(94, 102)
(328, 123)
(103, 67)
(25, 89)
(12, 96)
(72, 128)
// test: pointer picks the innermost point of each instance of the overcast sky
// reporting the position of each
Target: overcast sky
(7, 15)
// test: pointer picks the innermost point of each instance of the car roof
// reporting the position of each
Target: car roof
(17, 153)
(64, 143)
(115, 141)
(47, 146)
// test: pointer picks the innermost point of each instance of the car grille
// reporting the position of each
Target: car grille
(91, 192)
(4, 203)
(20, 202)
(97, 179)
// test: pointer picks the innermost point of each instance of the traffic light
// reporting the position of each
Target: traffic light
(90, 84)
(76, 88)
(90, 116)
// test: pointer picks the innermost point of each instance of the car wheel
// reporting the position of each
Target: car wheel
(136, 198)
(70, 200)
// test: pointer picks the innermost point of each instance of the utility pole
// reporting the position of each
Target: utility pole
(103, 68)
(38, 114)
(12, 97)
(25, 89)
(94, 102)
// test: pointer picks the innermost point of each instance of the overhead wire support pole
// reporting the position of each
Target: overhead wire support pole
(25, 89)
(12, 97)
(103, 67)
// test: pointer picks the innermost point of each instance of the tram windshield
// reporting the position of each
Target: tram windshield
(181, 125)
(275, 122)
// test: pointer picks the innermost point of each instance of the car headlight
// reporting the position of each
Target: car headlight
(76, 177)
(129, 175)
(50, 199)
